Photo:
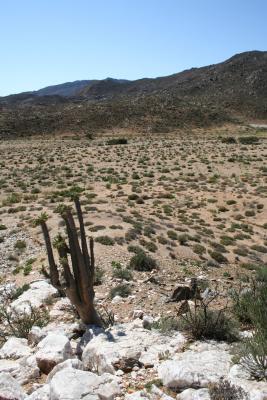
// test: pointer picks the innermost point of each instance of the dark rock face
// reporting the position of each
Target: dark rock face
(236, 88)
(185, 292)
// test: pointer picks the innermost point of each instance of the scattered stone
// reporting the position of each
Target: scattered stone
(53, 349)
(36, 296)
(74, 384)
(9, 388)
(27, 370)
(15, 348)
(196, 368)
(117, 300)
(137, 314)
(71, 363)
(194, 394)
(128, 342)
(185, 292)
(42, 393)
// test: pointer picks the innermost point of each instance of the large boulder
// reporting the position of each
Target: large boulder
(194, 394)
(36, 334)
(127, 345)
(27, 370)
(71, 363)
(53, 349)
(9, 388)
(36, 296)
(9, 366)
(42, 393)
(240, 377)
(197, 368)
(23, 370)
(74, 384)
(15, 348)
(139, 395)
(154, 394)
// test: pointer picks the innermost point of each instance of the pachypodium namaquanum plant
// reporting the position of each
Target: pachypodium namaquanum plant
(76, 259)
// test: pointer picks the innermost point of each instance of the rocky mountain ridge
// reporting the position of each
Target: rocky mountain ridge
(232, 90)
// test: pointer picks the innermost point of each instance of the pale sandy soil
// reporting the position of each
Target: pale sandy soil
(193, 185)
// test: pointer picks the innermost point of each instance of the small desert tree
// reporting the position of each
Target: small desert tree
(77, 261)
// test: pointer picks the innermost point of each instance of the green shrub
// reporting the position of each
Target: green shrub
(116, 141)
(224, 390)
(99, 274)
(227, 240)
(199, 249)
(20, 245)
(166, 325)
(248, 140)
(105, 240)
(229, 140)
(19, 324)
(172, 235)
(142, 262)
(241, 305)
(135, 249)
(120, 272)
(254, 349)
(183, 239)
(219, 257)
(20, 290)
(122, 290)
(204, 323)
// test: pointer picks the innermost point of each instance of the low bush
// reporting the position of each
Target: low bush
(120, 272)
(229, 140)
(142, 262)
(122, 290)
(19, 324)
(224, 390)
(219, 257)
(248, 140)
(116, 141)
(99, 274)
(105, 240)
(201, 322)
(166, 325)
(254, 349)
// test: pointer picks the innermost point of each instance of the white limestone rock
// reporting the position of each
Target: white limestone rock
(9, 366)
(71, 363)
(42, 393)
(27, 371)
(137, 314)
(140, 395)
(128, 341)
(61, 307)
(36, 296)
(194, 394)
(9, 388)
(117, 300)
(196, 368)
(52, 350)
(36, 334)
(74, 384)
(22, 370)
(240, 377)
(15, 348)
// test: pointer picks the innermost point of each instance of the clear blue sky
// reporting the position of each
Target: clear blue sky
(45, 42)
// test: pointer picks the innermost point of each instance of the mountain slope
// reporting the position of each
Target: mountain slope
(195, 97)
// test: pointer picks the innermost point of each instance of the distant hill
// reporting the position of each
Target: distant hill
(235, 88)
(68, 89)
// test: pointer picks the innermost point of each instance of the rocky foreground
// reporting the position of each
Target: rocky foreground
(68, 361)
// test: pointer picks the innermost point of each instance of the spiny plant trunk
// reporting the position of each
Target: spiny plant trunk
(78, 282)
(53, 271)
